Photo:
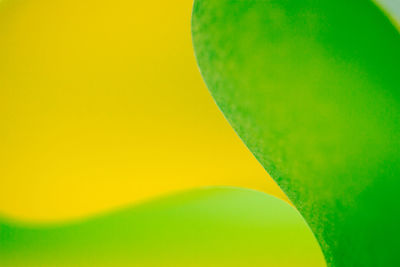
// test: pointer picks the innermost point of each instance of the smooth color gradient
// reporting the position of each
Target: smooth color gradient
(212, 227)
(102, 105)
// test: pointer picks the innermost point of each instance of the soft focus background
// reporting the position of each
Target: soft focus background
(102, 105)
(106, 127)
(209, 227)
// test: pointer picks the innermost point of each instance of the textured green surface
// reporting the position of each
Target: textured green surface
(312, 88)
(210, 227)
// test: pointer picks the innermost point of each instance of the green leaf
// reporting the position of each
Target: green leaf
(313, 89)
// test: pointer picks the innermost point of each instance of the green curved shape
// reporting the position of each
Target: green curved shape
(313, 89)
(209, 227)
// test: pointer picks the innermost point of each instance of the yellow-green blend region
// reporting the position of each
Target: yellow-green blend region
(103, 111)
(208, 227)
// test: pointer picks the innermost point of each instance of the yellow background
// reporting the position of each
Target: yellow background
(102, 105)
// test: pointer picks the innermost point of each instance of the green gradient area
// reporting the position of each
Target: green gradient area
(209, 227)
(312, 88)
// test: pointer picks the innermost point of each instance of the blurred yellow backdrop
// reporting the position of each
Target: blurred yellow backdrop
(102, 105)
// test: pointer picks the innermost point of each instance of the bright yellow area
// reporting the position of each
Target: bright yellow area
(102, 105)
